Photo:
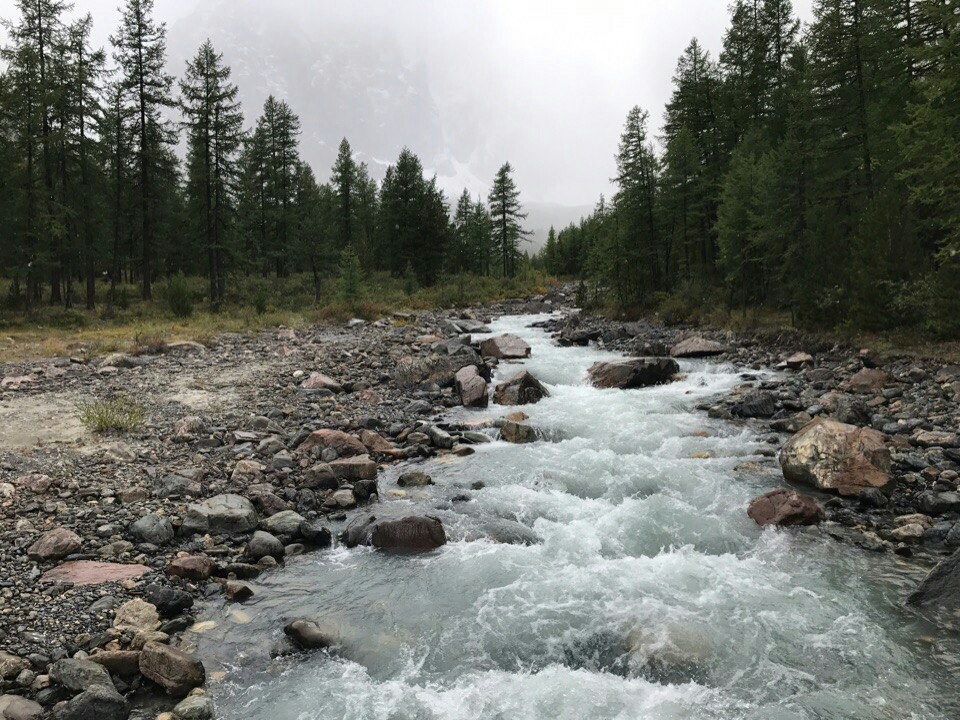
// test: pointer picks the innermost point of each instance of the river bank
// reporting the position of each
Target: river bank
(240, 419)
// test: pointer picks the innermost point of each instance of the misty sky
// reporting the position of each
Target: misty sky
(543, 83)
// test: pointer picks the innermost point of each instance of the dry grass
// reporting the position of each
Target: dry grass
(119, 414)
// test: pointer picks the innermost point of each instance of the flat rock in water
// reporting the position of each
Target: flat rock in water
(416, 533)
(784, 507)
(90, 572)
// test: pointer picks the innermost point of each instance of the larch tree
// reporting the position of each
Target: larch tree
(507, 215)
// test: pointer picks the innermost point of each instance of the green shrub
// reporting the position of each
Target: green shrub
(178, 296)
(117, 414)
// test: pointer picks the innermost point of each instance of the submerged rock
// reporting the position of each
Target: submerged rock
(634, 373)
(784, 507)
(834, 456)
(309, 635)
(940, 589)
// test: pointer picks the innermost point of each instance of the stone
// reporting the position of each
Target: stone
(153, 528)
(834, 456)
(471, 387)
(414, 533)
(135, 615)
(99, 702)
(439, 438)
(175, 485)
(222, 514)
(633, 373)
(237, 591)
(169, 601)
(315, 535)
(319, 381)
(286, 522)
(191, 567)
(78, 675)
(195, 707)
(55, 545)
(11, 665)
(263, 544)
(784, 507)
(171, 668)
(414, 478)
(518, 433)
(798, 360)
(520, 389)
(376, 443)
(909, 531)
(757, 404)
(696, 347)
(91, 572)
(507, 346)
(189, 425)
(14, 707)
(343, 498)
(309, 635)
(122, 663)
(867, 380)
(360, 467)
(938, 503)
(345, 445)
(940, 589)
(246, 472)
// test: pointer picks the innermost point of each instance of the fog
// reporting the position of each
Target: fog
(466, 84)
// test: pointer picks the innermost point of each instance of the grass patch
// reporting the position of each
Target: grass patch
(252, 304)
(119, 414)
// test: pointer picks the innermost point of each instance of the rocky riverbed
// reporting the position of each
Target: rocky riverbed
(259, 449)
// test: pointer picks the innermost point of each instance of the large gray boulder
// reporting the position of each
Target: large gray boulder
(830, 455)
(223, 514)
(153, 528)
(98, 702)
(78, 675)
(415, 533)
(633, 373)
(520, 389)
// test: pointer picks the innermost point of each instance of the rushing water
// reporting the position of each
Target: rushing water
(648, 593)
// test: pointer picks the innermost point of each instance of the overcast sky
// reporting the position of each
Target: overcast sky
(543, 83)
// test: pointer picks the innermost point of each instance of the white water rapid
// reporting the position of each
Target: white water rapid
(648, 593)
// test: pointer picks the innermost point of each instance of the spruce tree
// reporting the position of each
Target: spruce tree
(344, 182)
(214, 139)
(507, 215)
(140, 53)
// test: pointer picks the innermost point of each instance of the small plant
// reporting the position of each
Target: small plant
(178, 296)
(148, 344)
(117, 414)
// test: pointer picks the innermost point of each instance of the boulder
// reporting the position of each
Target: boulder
(757, 404)
(222, 514)
(54, 545)
(784, 507)
(867, 380)
(696, 347)
(471, 387)
(308, 635)
(192, 567)
(136, 615)
(169, 601)
(505, 346)
(263, 544)
(634, 373)
(940, 589)
(78, 675)
(360, 467)
(194, 707)
(520, 389)
(345, 445)
(415, 533)
(834, 456)
(319, 381)
(14, 707)
(798, 360)
(174, 670)
(152, 528)
(286, 522)
(99, 702)
(122, 663)
(518, 433)
(414, 478)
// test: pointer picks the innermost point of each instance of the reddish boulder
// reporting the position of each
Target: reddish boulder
(868, 380)
(174, 670)
(90, 572)
(345, 445)
(520, 389)
(319, 381)
(192, 567)
(634, 373)
(54, 545)
(471, 387)
(506, 346)
(784, 507)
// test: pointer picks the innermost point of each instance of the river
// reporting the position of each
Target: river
(648, 593)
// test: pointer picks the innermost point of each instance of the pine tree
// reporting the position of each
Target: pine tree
(214, 139)
(140, 53)
(506, 213)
